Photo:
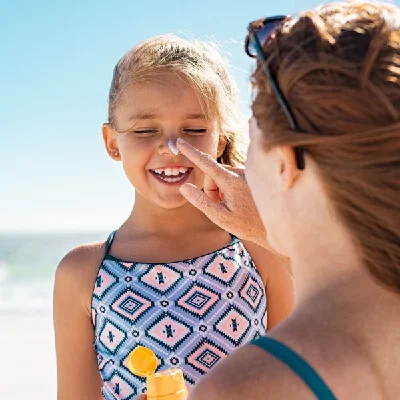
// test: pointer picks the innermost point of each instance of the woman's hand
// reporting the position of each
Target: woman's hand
(226, 197)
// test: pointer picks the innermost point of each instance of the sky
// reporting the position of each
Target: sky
(57, 59)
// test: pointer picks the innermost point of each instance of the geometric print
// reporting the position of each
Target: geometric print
(205, 355)
(233, 325)
(131, 305)
(251, 292)
(198, 300)
(190, 313)
(169, 331)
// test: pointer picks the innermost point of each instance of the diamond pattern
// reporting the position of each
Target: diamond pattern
(251, 293)
(162, 278)
(112, 336)
(223, 270)
(120, 387)
(190, 313)
(233, 325)
(168, 331)
(205, 356)
(105, 281)
(198, 300)
(131, 305)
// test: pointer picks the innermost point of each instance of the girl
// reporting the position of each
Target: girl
(168, 278)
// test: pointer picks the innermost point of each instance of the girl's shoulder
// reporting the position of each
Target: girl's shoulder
(76, 272)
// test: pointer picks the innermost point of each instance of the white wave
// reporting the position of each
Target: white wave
(25, 298)
(3, 272)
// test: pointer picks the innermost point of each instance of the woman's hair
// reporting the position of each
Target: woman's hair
(202, 66)
(339, 68)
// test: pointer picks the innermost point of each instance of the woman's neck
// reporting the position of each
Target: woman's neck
(324, 260)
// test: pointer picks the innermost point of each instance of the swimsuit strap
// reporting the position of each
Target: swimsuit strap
(297, 364)
(109, 242)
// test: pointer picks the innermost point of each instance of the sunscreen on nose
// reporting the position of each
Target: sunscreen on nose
(173, 147)
(165, 385)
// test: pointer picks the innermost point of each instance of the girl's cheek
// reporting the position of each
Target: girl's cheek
(207, 143)
(138, 144)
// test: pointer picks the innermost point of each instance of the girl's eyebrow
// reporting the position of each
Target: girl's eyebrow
(141, 117)
(195, 116)
(137, 117)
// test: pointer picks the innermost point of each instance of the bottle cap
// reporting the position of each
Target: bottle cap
(142, 361)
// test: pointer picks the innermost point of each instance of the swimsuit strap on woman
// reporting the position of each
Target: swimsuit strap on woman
(298, 365)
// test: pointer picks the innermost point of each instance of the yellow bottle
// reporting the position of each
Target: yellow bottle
(165, 385)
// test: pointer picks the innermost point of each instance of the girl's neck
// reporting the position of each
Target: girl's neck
(148, 218)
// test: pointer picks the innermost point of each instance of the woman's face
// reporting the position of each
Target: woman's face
(264, 178)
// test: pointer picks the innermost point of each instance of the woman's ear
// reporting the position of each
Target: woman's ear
(288, 170)
(110, 141)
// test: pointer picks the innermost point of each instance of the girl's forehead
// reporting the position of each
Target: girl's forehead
(161, 99)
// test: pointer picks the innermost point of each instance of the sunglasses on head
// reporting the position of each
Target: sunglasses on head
(259, 33)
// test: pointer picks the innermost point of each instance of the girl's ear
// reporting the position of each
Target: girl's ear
(110, 141)
(221, 146)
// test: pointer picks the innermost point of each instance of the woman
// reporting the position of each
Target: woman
(324, 170)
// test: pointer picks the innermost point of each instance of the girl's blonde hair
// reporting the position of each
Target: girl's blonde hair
(201, 64)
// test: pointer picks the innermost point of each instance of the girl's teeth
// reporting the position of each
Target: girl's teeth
(171, 171)
(171, 174)
(172, 180)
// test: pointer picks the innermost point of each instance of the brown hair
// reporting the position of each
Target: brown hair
(339, 68)
(202, 65)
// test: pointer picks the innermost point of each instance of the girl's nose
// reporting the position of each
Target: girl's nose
(168, 146)
(172, 146)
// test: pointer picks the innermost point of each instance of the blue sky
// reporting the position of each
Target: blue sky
(57, 62)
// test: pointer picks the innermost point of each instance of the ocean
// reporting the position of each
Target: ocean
(27, 266)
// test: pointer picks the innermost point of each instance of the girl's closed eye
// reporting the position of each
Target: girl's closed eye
(145, 132)
(195, 131)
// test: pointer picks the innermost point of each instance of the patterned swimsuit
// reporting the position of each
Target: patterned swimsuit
(191, 313)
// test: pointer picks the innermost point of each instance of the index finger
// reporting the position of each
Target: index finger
(204, 161)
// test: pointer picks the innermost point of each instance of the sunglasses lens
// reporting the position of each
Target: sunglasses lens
(262, 35)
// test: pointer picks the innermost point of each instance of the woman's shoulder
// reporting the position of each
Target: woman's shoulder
(252, 372)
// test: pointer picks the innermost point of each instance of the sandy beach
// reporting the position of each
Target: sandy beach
(27, 358)
(27, 367)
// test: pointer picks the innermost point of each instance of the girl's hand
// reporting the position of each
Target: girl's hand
(141, 397)
(226, 197)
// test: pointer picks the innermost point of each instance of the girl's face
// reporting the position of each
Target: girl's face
(147, 116)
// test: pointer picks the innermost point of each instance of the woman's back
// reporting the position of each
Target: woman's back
(352, 341)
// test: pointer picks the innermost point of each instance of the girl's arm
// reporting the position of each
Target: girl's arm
(78, 375)
(278, 282)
